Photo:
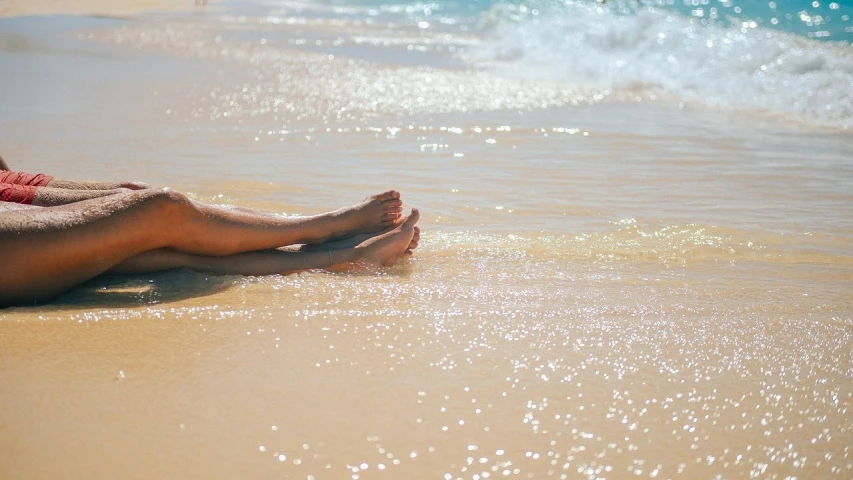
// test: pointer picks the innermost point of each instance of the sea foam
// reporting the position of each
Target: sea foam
(658, 52)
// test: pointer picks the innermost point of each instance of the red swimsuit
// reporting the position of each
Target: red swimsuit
(19, 187)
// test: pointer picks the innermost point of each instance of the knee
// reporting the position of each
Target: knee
(169, 207)
(166, 200)
(164, 194)
(135, 185)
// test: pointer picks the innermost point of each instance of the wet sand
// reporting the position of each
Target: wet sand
(604, 290)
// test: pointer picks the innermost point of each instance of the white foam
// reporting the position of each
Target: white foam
(657, 52)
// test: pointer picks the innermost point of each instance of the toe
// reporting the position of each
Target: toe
(412, 219)
(389, 195)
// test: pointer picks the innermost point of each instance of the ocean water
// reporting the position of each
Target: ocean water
(637, 253)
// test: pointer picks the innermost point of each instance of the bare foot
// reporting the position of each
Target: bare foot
(391, 246)
(355, 240)
(373, 214)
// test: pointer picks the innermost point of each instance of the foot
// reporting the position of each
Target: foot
(386, 249)
(355, 240)
(373, 214)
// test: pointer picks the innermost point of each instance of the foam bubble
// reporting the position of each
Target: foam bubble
(656, 52)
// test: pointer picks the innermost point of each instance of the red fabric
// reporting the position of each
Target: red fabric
(17, 193)
(20, 178)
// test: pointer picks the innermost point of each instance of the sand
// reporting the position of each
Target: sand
(13, 8)
(623, 289)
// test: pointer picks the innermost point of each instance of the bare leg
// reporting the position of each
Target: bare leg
(373, 214)
(330, 256)
(49, 196)
(50, 250)
(78, 185)
(348, 242)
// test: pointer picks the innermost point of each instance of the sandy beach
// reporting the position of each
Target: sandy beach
(615, 280)
(14, 8)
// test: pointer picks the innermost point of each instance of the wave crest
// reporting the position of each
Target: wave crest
(662, 53)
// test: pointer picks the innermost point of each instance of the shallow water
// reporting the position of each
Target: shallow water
(612, 286)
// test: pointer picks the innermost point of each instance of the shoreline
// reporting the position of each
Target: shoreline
(632, 289)
(22, 8)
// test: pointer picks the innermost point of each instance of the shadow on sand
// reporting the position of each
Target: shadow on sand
(140, 290)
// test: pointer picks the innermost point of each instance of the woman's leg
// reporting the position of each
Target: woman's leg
(49, 250)
(329, 256)
(51, 197)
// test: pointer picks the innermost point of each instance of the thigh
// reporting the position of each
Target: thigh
(10, 207)
(46, 251)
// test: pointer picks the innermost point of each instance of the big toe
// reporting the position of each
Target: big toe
(389, 195)
(412, 219)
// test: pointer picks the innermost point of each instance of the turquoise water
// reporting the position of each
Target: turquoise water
(793, 59)
(823, 20)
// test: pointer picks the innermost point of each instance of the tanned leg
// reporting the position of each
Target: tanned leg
(82, 185)
(76, 185)
(49, 196)
(330, 256)
(348, 242)
(49, 250)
